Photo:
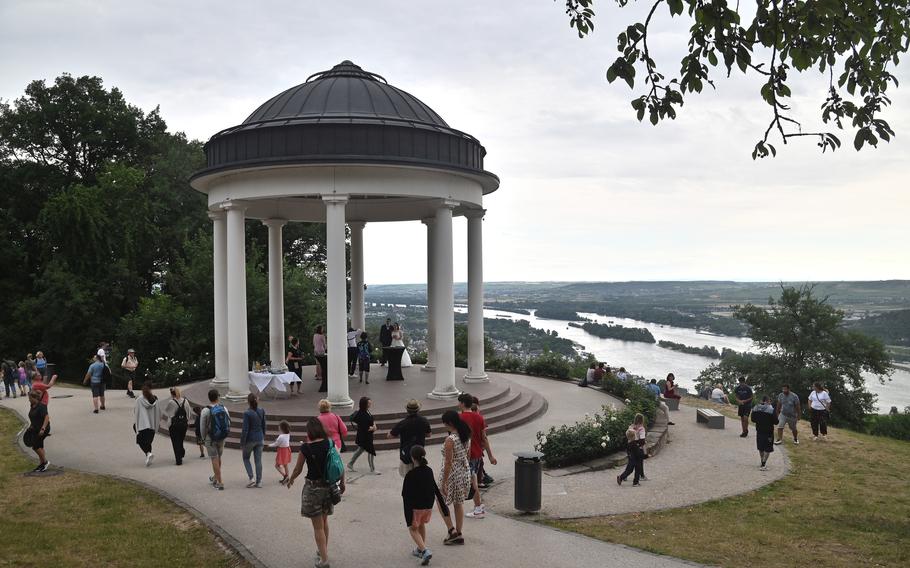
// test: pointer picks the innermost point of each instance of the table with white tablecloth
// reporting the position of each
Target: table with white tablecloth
(277, 382)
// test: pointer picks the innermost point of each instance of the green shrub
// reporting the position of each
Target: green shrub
(505, 364)
(890, 425)
(549, 364)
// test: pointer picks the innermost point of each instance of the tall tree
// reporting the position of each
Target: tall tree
(854, 44)
(801, 340)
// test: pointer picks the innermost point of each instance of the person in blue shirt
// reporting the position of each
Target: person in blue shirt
(654, 389)
(95, 374)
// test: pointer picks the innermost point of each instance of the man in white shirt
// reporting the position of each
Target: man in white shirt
(353, 334)
(819, 406)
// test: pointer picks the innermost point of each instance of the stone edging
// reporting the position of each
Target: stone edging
(226, 538)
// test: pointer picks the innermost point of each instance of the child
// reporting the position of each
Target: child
(366, 426)
(635, 449)
(419, 491)
(283, 454)
(23, 379)
(197, 410)
(763, 417)
(363, 356)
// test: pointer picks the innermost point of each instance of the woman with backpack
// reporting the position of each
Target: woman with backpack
(148, 415)
(252, 437)
(179, 412)
(323, 486)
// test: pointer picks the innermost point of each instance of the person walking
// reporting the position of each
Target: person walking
(147, 417)
(455, 477)
(178, 412)
(819, 411)
(252, 439)
(763, 417)
(419, 492)
(294, 362)
(215, 425)
(24, 386)
(316, 501)
(129, 364)
(744, 395)
(39, 428)
(197, 429)
(411, 431)
(364, 353)
(635, 450)
(95, 375)
(10, 378)
(41, 387)
(332, 424)
(788, 413)
(322, 360)
(385, 339)
(366, 427)
(479, 444)
(282, 445)
(41, 363)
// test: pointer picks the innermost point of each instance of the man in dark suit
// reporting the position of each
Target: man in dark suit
(385, 338)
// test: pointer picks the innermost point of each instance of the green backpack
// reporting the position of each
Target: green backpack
(334, 466)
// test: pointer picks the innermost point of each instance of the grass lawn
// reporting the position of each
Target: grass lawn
(76, 519)
(845, 503)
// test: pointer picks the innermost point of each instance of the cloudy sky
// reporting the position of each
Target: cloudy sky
(587, 193)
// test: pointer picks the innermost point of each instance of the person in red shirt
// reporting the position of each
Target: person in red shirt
(479, 444)
(39, 385)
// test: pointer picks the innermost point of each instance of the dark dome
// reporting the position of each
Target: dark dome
(346, 91)
(345, 115)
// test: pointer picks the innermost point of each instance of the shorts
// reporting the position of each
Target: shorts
(783, 419)
(214, 449)
(475, 465)
(416, 517)
(97, 390)
(315, 500)
(33, 439)
(364, 364)
(744, 410)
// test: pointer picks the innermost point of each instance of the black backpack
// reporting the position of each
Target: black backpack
(106, 374)
(180, 417)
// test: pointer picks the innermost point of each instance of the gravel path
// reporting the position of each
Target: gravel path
(698, 465)
(368, 527)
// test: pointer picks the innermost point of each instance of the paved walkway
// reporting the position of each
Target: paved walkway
(368, 528)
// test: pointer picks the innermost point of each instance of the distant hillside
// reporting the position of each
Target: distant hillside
(893, 328)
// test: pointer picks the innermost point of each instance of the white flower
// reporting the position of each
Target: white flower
(543, 440)
(181, 372)
(613, 419)
(603, 444)
(628, 401)
(597, 424)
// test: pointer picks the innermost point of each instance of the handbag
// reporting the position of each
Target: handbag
(334, 493)
(29, 437)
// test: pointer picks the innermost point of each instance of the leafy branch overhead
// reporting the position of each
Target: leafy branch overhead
(854, 44)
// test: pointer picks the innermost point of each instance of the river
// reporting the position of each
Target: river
(649, 360)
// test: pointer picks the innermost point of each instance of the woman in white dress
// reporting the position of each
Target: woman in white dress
(398, 341)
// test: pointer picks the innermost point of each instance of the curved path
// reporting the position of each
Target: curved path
(368, 528)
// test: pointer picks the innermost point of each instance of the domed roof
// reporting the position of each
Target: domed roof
(346, 115)
(346, 91)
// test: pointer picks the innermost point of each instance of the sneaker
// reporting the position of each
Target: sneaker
(778, 442)
(634, 484)
(671, 423)
(618, 480)
(251, 484)
(477, 513)
(212, 479)
(43, 467)
(643, 478)
(95, 411)
(744, 434)
(795, 442)
(814, 438)
(37, 468)
(417, 552)
(258, 485)
(487, 479)
(219, 486)
(149, 458)
(425, 557)
(376, 472)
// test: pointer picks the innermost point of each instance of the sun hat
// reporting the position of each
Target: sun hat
(413, 406)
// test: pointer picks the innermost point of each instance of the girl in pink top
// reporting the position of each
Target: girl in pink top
(332, 423)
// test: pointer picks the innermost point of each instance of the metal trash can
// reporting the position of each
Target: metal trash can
(528, 480)
(50, 371)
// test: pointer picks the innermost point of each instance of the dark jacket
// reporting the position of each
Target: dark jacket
(385, 335)
(763, 417)
(419, 489)
(411, 431)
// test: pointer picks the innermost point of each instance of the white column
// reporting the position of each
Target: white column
(276, 293)
(358, 318)
(219, 262)
(476, 372)
(444, 305)
(336, 301)
(238, 348)
(431, 330)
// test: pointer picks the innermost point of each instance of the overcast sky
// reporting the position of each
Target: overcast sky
(587, 193)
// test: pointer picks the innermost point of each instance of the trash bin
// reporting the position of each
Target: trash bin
(528, 480)
(50, 371)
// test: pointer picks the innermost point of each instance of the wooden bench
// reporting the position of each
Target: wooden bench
(672, 403)
(712, 418)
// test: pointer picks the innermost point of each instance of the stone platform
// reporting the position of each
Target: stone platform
(504, 404)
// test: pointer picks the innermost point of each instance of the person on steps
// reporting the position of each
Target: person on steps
(178, 410)
(147, 417)
(366, 427)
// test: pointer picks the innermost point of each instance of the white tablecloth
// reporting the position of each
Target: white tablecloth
(264, 381)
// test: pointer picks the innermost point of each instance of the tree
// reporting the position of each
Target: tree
(801, 340)
(855, 43)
